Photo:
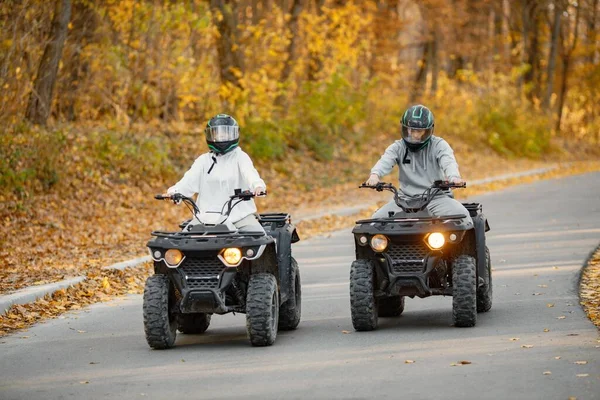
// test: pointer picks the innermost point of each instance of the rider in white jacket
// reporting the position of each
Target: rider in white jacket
(216, 174)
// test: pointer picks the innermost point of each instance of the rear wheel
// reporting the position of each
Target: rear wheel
(193, 323)
(390, 306)
(362, 299)
(160, 325)
(262, 309)
(289, 312)
(464, 294)
(484, 293)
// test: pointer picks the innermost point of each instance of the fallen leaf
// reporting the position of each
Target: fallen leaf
(543, 286)
(459, 363)
(527, 346)
(24, 337)
(182, 360)
(557, 358)
(573, 334)
(80, 331)
(345, 332)
(550, 305)
(409, 362)
(561, 317)
(537, 294)
(84, 382)
(554, 267)
(582, 375)
(546, 330)
(94, 363)
(547, 373)
(580, 362)
(513, 339)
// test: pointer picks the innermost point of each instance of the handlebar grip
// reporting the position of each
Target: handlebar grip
(160, 197)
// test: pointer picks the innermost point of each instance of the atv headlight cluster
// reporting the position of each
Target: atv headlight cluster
(173, 257)
(232, 256)
(379, 243)
(436, 240)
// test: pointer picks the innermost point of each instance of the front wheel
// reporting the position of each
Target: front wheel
(362, 299)
(484, 293)
(289, 312)
(262, 309)
(160, 325)
(464, 293)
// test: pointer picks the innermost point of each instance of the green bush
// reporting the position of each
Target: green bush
(30, 159)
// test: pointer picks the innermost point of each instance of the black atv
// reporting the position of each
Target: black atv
(412, 253)
(214, 269)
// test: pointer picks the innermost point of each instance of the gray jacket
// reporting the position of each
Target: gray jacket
(418, 170)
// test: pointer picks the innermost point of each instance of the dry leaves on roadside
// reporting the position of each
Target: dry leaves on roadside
(589, 288)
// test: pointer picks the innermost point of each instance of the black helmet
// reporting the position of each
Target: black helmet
(222, 133)
(417, 127)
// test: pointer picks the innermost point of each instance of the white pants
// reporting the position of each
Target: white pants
(439, 206)
(249, 224)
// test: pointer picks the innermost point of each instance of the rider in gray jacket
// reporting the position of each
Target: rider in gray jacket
(422, 159)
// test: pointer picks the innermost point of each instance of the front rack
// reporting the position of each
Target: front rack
(187, 235)
(411, 219)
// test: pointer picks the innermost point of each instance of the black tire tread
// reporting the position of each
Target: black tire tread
(363, 306)
(290, 311)
(464, 296)
(193, 323)
(261, 288)
(485, 294)
(390, 306)
(159, 329)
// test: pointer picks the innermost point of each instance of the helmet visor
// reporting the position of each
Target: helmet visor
(222, 133)
(416, 135)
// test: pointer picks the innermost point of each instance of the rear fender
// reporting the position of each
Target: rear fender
(481, 226)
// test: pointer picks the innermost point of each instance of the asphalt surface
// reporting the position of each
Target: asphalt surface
(522, 349)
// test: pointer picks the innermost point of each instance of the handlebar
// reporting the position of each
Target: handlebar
(426, 196)
(239, 195)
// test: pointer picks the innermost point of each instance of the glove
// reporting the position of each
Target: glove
(457, 181)
(373, 180)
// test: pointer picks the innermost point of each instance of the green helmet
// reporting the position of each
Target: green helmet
(222, 133)
(417, 127)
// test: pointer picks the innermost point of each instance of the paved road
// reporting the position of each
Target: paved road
(541, 235)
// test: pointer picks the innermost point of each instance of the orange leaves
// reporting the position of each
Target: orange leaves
(590, 288)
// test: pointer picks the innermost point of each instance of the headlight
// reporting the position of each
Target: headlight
(173, 257)
(379, 243)
(232, 255)
(436, 240)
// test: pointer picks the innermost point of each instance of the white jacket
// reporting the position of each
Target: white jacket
(230, 171)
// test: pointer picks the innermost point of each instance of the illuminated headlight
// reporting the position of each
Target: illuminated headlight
(173, 257)
(379, 243)
(436, 240)
(232, 256)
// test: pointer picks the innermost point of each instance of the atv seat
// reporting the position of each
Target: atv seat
(474, 209)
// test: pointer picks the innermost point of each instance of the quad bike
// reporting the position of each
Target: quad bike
(208, 269)
(413, 253)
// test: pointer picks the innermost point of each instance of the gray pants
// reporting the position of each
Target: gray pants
(249, 224)
(439, 206)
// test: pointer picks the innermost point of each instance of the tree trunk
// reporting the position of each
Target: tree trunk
(230, 57)
(421, 76)
(552, 57)
(84, 26)
(291, 51)
(315, 64)
(435, 67)
(568, 52)
(40, 100)
(506, 29)
(592, 35)
(533, 55)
